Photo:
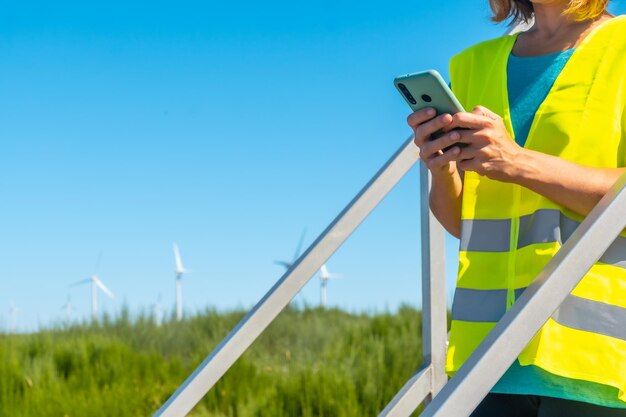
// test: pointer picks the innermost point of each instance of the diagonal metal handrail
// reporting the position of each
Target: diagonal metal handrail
(252, 325)
(538, 302)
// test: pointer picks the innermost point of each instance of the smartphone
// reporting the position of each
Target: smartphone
(428, 89)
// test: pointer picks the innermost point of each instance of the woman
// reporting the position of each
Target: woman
(546, 139)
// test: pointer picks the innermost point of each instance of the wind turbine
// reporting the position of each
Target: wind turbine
(13, 312)
(157, 310)
(67, 307)
(296, 255)
(325, 276)
(180, 270)
(95, 284)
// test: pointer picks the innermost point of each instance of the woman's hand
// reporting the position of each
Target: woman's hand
(424, 124)
(490, 150)
(447, 186)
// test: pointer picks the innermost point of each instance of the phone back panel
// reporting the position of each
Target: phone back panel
(427, 89)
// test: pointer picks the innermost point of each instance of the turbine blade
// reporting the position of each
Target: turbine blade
(104, 289)
(326, 274)
(179, 262)
(97, 268)
(299, 247)
(81, 282)
(283, 263)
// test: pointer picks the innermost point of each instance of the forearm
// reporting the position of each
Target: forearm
(574, 186)
(445, 200)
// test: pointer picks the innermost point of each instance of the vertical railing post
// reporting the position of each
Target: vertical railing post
(434, 321)
(431, 378)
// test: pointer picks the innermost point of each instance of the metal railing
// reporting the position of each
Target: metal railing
(494, 355)
(486, 365)
(277, 298)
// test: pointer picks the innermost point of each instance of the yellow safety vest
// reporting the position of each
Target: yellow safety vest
(509, 233)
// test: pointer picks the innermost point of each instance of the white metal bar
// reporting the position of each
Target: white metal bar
(434, 310)
(505, 342)
(250, 327)
(412, 394)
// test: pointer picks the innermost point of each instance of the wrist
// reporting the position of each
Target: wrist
(445, 172)
(524, 166)
(446, 178)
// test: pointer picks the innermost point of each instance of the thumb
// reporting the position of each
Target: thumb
(484, 111)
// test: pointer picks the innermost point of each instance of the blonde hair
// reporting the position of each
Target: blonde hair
(522, 10)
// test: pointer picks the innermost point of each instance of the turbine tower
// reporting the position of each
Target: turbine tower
(157, 310)
(296, 255)
(180, 270)
(325, 276)
(67, 307)
(13, 312)
(95, 284)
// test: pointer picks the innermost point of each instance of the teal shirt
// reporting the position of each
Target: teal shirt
(529, 79)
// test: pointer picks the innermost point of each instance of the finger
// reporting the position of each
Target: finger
(433, 147)
(470, 165)
(485, 112)
(442, 161)
(470, 121)
(464, 136)
(468, 152)
(427, 152)
(425, 130)
(468, 136)
(418, 117)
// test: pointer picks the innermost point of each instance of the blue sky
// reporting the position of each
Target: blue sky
(227, 127)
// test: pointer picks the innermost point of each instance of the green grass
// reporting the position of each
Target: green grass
(308, 363)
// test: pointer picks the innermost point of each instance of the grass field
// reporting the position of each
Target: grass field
(309, 362)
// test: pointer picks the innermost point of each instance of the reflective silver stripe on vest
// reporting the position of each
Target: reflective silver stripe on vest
(616, 253)
(592, 316)
(480, 305)
(485, 235)
(568, 226)
(543, 226)
(575, 312)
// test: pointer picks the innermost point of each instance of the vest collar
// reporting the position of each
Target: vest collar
(502, 67)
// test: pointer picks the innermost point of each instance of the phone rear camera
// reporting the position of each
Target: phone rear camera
(406, 93)
(426, 98)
